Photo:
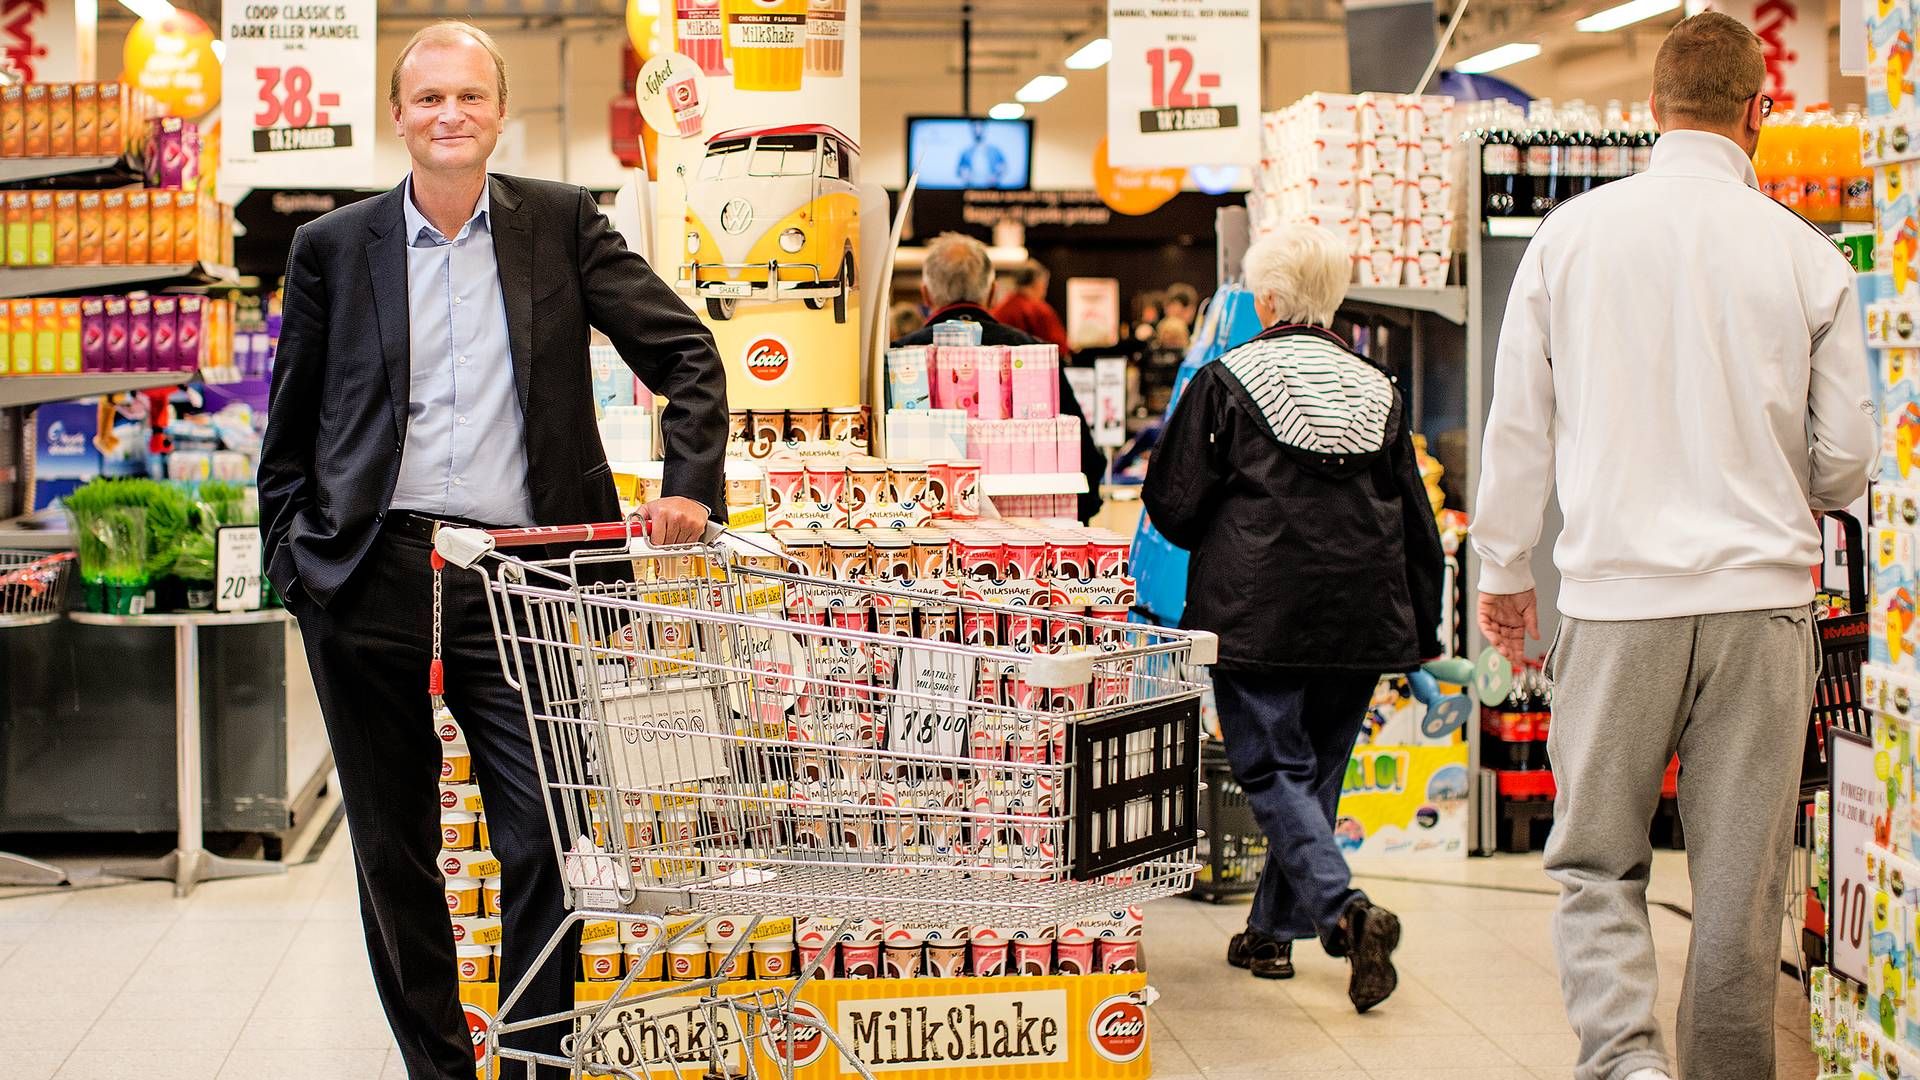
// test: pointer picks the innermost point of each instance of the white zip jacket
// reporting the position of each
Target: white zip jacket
(1683, 358)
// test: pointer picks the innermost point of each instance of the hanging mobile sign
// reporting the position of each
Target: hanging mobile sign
(1183, 87)
(301, 81)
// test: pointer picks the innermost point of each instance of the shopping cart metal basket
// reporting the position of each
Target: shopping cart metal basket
(33, 586)
(718, 734)
(1843, 648)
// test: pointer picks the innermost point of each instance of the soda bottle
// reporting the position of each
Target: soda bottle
(1581, 154)
(1856, 196)
(1793, 158)
(1766, 157)
(1820, 173)
(1645, 133)
(1544, 157)
(1614, 156)
(1499, 163)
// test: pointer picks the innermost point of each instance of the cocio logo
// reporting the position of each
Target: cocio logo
(1119, 1029)
(807, 1040)
(478, 1022)
(768, 358)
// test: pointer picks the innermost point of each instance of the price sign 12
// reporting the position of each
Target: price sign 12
(1174, 94)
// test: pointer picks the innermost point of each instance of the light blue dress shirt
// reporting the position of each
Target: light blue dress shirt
(465, 453)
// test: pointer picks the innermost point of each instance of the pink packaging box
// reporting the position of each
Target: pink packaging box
(117, 333)
(165, 333)
(1066, 439)
(1038, 434)
(186, 334)
(1036, 382)
(990, 367)
(139, 333)
(1019, 433)
(956, 378)
(93, 334)
(173, 160)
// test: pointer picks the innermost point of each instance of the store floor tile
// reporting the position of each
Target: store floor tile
(265, 978)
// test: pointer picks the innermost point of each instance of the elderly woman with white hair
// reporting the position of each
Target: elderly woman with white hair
(1288, 471)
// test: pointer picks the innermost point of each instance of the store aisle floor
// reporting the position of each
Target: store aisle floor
(265, 979)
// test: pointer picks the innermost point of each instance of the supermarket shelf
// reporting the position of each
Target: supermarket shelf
(52, 280)
(1520, 227)
(91, 171)
(1449, 301)
(1066, 483)
(35, 389)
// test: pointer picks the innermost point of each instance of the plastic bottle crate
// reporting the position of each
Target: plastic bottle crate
(1232, 849)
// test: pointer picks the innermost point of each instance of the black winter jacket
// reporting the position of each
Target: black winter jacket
(1288, 471)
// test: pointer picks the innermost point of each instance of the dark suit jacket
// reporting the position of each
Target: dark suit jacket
(1093, 461)
(338, 417)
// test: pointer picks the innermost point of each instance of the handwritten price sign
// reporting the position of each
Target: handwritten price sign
(1183, 87)
(307, 71)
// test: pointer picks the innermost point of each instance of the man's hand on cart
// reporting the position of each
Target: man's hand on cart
(674, 520)
(1509, 620)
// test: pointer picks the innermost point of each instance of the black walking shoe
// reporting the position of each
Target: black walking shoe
(1372, 933)
(1266, 957)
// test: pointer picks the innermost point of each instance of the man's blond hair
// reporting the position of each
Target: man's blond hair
(441, 33)
(1709, 67)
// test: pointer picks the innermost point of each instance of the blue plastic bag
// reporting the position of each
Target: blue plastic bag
(1159, 568)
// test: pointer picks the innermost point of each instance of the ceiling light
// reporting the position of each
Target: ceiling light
(1038, 89)
(1479, 64)
(151, 10)
(1007, 110)
(1624, 15)
(1094, 54)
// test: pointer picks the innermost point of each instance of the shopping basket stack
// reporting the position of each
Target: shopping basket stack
(719, 734)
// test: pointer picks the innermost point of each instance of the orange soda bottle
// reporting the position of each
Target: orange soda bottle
(1856, 193)
(1766, 158)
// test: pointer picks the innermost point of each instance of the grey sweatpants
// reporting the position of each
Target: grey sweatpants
(1731, 693)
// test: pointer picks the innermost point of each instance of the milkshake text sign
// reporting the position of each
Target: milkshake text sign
(1183, 87)
(301, 85)
(959, 1032)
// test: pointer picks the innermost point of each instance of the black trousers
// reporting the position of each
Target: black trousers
(369, 652)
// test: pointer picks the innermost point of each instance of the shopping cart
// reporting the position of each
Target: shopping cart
(33, 586)
(718, 734)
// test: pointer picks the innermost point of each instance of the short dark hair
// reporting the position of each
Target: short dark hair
(1029, 272)
(1183, 294)
(1707, 70)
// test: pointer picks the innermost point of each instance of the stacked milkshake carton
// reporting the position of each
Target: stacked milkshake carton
(1379, 168)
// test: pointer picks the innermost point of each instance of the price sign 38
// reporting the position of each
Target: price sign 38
(292, 116)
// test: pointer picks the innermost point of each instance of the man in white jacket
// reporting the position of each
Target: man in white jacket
(1683, 358)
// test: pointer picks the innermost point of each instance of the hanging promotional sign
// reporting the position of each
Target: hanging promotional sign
(40, 40)
(757, 105)
(172, 60)
(1794, 35)
(302, 82)
(1183, 87)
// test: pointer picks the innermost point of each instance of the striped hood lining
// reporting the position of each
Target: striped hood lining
(1315, 395)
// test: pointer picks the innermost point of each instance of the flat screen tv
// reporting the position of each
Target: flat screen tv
(961, 152)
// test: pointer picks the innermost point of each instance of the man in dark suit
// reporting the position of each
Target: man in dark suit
(433, 368)
(957, 282)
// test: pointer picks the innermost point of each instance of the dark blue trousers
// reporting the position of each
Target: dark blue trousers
(1289, 737)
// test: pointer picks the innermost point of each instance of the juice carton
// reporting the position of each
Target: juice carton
(137, 224)
(186, 226)
(160, 213)
(19, 228)
(1889, 57)
(139, 333)
(20, 329)
(93, 226)
(86, 119)
(39, 139)
(93, 333)
(166, 325)
(119, 334)
(40, 228)
(113, 228)
(13, 120)
(189, 332)
(1891, 611)
(173, 160)
(46, 337)
(69, 346)
(66, 228)
(60, 120)
(908, 385)
(113, 118)
(6, 342)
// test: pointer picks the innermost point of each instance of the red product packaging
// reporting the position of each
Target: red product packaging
(1067, 557)
(963, 490)
(93, 334)
(1109, 556)
(118, 334)
(139, 333)
(1026, 559)
(980, 557)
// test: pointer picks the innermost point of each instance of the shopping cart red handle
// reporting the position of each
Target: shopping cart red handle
(465, 547)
